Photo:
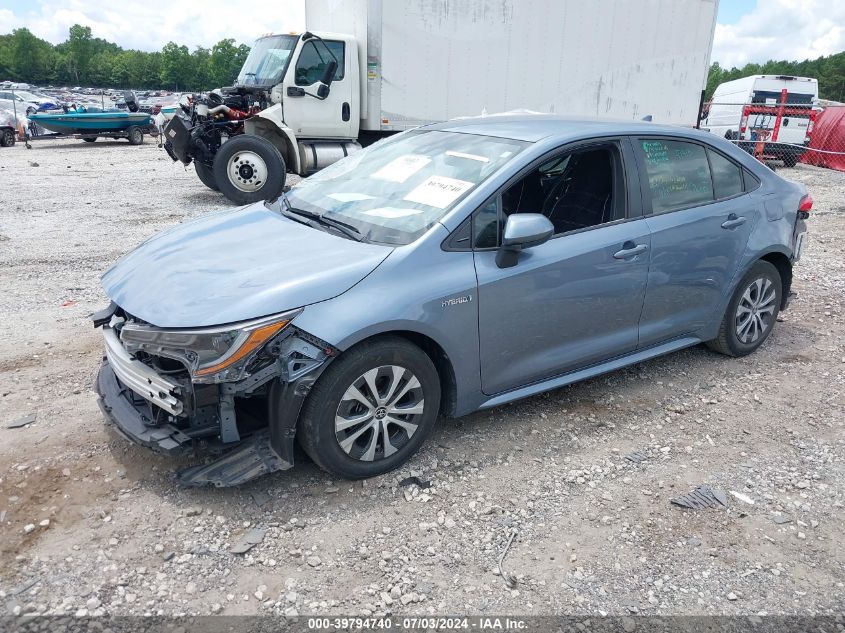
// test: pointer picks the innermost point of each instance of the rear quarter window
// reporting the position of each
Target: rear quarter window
(678, 174)
(727, 176)
(751, 181)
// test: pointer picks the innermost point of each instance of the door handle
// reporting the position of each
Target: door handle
(629, 250)
(733, 221)
(295, 91)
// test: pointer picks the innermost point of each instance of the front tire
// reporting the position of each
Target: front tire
(751, 313)
(371, 410)
(248, 168)
(89, 139)
(206, 175)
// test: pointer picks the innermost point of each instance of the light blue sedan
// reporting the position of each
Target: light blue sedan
(452, 268)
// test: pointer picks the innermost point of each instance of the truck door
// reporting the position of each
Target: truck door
(336, 116)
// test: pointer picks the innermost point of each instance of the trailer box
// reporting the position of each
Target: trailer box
(431, 60)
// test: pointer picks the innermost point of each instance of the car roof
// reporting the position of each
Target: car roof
(535, 127)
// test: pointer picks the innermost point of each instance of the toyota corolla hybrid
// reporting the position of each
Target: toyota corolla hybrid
(451, 268)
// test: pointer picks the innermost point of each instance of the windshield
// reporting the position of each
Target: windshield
(393, 191)
(266, 63)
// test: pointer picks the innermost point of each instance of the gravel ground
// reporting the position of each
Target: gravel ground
(90, 524)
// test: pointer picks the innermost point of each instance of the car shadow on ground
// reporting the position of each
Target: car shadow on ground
(485, 430)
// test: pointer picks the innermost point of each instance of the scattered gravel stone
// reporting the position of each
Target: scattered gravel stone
(596, 532)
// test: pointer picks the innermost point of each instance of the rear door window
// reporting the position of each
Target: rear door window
(727, 176)
(792, 98)
(678, 174)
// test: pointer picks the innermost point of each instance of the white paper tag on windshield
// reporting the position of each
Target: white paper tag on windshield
(350, 197)
(392, 213)
(438, 191)
(402, 168)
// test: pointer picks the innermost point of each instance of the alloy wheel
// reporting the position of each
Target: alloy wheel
(379, 413)
(755, 310)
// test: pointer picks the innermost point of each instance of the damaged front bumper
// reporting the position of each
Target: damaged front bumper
(129, 416)
(250, 423)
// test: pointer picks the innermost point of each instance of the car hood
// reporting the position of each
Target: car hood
(236, 265)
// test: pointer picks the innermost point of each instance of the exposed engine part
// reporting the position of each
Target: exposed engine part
(231, 113)
(315, 155)
(198, 131)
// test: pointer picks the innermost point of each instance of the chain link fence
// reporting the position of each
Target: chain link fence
(781, 131)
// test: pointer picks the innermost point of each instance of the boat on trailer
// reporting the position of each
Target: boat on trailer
(91, 125)
(89, 122)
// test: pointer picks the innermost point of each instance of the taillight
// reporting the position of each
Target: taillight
(743, 122)
(804, 207)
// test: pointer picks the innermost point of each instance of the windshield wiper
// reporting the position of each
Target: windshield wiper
(347, 229)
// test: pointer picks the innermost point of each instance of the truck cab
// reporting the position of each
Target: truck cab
(312, 123)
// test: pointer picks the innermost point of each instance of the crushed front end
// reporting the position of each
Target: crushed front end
(234, 390)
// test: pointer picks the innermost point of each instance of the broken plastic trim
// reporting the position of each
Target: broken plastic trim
(701, 498)
(251, 459)
(301, 360)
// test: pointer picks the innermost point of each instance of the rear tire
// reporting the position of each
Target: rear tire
(248, 168)
(790, 160)
(751, 313)
(7, 137)
(136, 135)
(353, 438)
(89, 139)
(206, 175)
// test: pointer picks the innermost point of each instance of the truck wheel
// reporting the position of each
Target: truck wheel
(136, 135)
(249, 168)
(790, 159)
(371, 409)
(7, 138)
(89, 139)
(206, 175)
(751, 313)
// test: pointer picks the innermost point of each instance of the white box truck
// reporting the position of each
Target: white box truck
(367, 68)
(752, 108)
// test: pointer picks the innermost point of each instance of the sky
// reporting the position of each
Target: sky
(746, 30)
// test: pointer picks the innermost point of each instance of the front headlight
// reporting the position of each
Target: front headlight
(212, 355)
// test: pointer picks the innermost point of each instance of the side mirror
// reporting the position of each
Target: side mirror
(522, 230)
(326, 80)
(328, 74)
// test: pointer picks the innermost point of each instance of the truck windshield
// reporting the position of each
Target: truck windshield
(394, 190)
(266, 63)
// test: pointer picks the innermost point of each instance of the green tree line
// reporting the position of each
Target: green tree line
(830, 71)
(85, 60)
